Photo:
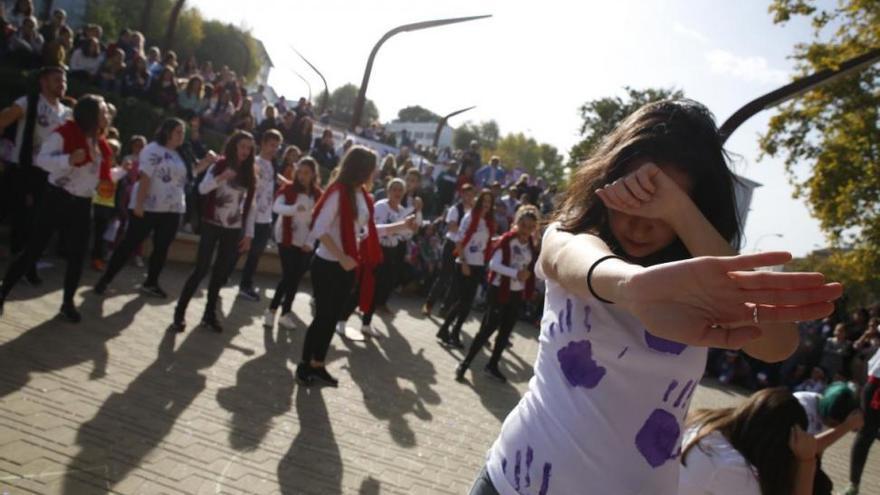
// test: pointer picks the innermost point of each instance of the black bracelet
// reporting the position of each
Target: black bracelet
(590, 276)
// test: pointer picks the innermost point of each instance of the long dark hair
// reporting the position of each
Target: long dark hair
(478, 207)
(245, 174)
(681, 133)
(163, 133)
(87, 113)
(759, 429)
(307, 162)
(355, 169)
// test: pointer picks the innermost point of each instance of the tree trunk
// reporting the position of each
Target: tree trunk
(145, 16)
(172, 24)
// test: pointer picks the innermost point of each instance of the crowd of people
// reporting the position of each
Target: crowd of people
(634, 261)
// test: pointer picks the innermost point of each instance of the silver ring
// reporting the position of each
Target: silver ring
(755, 314)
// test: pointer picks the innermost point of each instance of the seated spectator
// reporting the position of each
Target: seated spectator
(163, 91)
(51, 29)
(207, 71)
(136, 79)
(189, 69)
(27, 44)
(20, 11)
(111, 73)
(243, 112)
(302, 134)
(55, 52)
(86, 60)
(219, 113)
(190, 99)
(815, 383)
(137, 47)
(288, 127)
(169, 61)
(154, 61)
(270, 121)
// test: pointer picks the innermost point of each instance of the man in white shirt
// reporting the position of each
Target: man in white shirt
(37, 115)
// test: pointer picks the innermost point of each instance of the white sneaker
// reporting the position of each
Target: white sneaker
(269, 319)
(287, 321)
(370, 331)
(340, 328)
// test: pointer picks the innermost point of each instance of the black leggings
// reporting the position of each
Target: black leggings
(465, 289)
(386, 278)
(294, 263)
(70, 216)
(483, 484)
(866, 436)
(164, 228)
(331, 285)
(500, 316)
(225, 241)
(441, 290)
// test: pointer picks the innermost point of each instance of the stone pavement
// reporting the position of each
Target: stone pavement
(116, 405)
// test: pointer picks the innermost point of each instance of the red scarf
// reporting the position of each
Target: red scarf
(75, 139)
(476, 215)
(290, 194)
(369, 254)
(210, 200)
(504, 245)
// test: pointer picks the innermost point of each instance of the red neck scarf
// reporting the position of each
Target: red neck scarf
(504, 245)
(75, 139)
(290, 194)
(369, 254)
(476, 215)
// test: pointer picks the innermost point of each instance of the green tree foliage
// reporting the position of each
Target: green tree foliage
(341, 104)
(416, 113)
(486, 133)
(601, 116)
(834, 130)
(538, 159)
(225, 44)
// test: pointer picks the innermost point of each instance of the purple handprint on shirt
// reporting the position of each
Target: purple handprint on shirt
(578, 366)
(522, 481)
(658, 437)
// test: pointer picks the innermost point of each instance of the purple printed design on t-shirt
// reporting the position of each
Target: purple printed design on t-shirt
(578, 366)
(662, 345)
(587, 325)
(681, 394)
(658, 437)
(568, 310)
(622, 352)
(527, 476)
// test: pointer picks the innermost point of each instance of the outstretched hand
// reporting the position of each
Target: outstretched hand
(711, 301)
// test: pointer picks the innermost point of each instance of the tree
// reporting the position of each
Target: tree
(146, 15)
(341, 104)
(524, 152)
(172, 23)
(416, 113)
(486, 133)
(834, 131)
(225, 44)
(601, 116)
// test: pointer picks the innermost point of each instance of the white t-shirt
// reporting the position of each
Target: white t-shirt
(520, 258)
(604, 411)
(230, 201)
(452, 216)
(79, 181)
(48, 118)
(474, 253)
(328, 223)
(301, 211)
(715, 467)
(874, 365)
(383, 214)
(167, 173)
(810, 402)
(264, 196)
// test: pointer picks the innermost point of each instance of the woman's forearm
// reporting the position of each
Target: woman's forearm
(143, 191)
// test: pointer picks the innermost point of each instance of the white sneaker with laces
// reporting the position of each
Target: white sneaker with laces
(269, 319)
(287, 321)
(370, 331)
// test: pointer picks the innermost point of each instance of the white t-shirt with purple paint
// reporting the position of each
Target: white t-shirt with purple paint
(605, 409)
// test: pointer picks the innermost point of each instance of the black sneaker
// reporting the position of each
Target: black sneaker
(33, 279)
(304, 374)
(178, 326)
(69, 313)
(100, 287)
(455, 341)
(460, 371)
(248, 293)
(442, 335)
(212, 324)
(493, 372)
(153, 291)
(322, 375)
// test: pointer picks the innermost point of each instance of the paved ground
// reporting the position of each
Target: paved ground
(116, 405)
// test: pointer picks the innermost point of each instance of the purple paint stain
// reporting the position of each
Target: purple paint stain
(561, 319)
(552, 328)
(663, 345)
(669, 389)
(690, 394)
(504, 465)
(530, 455)
(545, 479)
(658, 437)
(681, 394)
(568, 311)
(516, 471)
(622, 352)
(578, 365)
(587, 311)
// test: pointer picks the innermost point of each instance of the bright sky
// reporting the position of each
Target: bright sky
(533, 64)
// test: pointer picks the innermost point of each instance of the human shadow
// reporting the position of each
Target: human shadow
(378, 366)
(313, 463)
(55, 344)
(130, 424)
(369, 486)
(262, 391)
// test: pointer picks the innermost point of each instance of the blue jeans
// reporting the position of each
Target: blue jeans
(483, 484)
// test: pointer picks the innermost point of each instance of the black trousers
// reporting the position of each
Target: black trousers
(68, 215)
(262, 232)
(483, 484)
(386, 275)
(498, 316)
(441, 290)
(101, 217)
(465, 290)
(294, 263)
(866, 436)
(29, 186)
(331, 285)
(163, 227)
(213, 238)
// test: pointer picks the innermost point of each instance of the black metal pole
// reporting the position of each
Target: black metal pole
(795, 89)
(443, 122)
(323, 104)
(362, 93)
(305, 81)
